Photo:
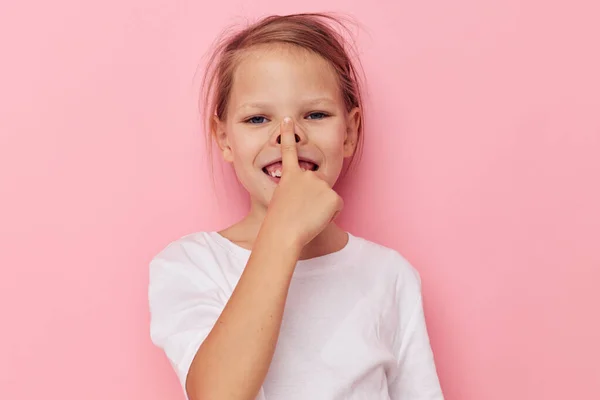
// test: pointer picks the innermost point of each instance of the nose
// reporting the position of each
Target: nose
(295, 136)
(299, 135)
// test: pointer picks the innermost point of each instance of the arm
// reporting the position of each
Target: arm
(234, 359)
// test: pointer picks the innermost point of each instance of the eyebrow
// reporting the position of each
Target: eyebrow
(311, 102)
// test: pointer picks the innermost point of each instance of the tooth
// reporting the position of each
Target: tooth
(275, 173)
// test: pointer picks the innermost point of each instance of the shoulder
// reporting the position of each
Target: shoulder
(193, 255)
(390, 263)
(188, 249)
(182, 246)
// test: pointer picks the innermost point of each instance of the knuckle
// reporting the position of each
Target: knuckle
(335, 198)
(320, 183)
(325, 185)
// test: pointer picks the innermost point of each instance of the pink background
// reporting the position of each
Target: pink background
(481, 165)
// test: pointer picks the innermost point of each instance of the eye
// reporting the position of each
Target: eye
(317, 115)
(256, 120)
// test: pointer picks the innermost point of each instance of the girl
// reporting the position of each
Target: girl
(284, 304)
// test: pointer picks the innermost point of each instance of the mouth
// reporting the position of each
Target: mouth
(274, 170)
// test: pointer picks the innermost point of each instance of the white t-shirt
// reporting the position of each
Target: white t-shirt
(353, 325)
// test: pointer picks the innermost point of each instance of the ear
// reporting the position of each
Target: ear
(352, 127)
(219, 133)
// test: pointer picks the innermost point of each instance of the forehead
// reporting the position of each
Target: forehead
(282, 74)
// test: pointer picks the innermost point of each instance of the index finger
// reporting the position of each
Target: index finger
(289, 154)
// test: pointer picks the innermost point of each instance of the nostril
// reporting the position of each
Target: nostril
(295, 135)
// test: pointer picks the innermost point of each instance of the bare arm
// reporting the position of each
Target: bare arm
(235, 357)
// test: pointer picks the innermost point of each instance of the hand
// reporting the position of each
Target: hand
(303, 203)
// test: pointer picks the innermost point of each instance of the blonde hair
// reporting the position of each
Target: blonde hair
(320, 33)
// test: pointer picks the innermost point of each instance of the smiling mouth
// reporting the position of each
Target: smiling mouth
(275, 170)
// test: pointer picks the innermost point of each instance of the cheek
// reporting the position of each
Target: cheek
(245, 147)
(332, 142)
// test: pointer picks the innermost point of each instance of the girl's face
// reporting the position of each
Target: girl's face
(268, 85)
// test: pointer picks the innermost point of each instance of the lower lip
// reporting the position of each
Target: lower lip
(272, 178)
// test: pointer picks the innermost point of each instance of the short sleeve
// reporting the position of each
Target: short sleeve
(416, 376)
(185, 303)
(187, 292)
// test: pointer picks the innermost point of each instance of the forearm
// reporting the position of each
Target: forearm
(234, 359)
